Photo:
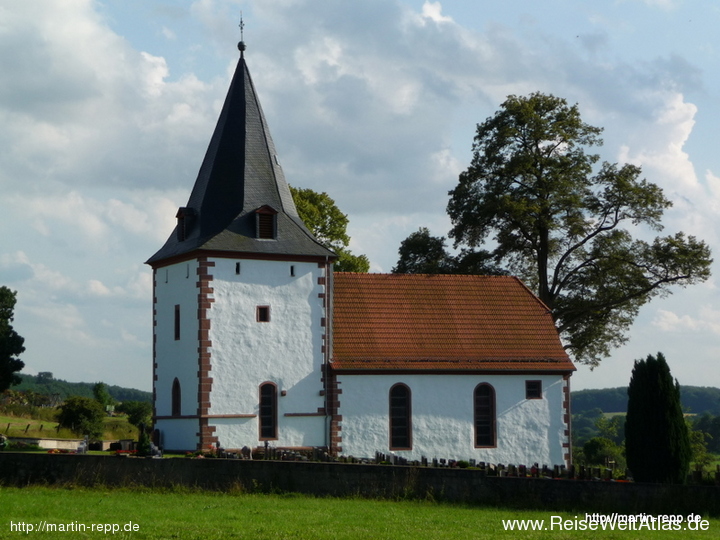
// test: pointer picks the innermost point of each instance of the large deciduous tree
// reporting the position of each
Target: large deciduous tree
(657, 441)
(11, 343)
(555, 217)
(329, 225)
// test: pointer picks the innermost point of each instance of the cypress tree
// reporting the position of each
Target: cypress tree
(657, 443)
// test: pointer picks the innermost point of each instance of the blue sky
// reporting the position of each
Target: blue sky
(107, 108)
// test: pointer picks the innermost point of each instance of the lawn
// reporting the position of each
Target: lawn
(187, 514)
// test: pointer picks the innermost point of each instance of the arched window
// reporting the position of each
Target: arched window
(485, 435)
(176, 398)
(268, 411)
(400, 418)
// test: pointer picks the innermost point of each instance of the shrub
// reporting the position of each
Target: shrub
(138, 412)
(602, 451)
(143, 446)
(83, 416)
(19, 446)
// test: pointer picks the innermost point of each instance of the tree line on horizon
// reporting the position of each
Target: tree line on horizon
(696, 400)
(41, 384)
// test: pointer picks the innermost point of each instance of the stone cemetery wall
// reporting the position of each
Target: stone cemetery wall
(347, 479)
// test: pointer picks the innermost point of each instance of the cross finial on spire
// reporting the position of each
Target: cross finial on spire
(241, 45)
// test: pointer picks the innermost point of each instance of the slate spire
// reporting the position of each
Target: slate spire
(241, 201)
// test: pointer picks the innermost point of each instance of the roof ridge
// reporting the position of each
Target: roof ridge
(440, 276)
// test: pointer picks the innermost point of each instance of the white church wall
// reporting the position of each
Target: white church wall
(176, 285)
(528, 430)
(286, 351)
(296, 432)
(178, 433)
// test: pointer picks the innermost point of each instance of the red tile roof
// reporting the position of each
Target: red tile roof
(400, 322)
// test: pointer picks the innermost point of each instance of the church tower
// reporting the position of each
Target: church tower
(240, 300)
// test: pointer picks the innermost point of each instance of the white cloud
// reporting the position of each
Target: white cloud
(661, 148)
(373, 102)
(15, 267)
(63, 323)
(708, 319)
(433, 11)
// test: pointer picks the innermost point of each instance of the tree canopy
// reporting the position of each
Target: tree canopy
(329, 225)
(421, 253)
(82, 415)
(138, 412)
(657, 441)
(11, 343)
(549, 213)
(102, 395)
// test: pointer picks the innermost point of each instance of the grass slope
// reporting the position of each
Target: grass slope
(115, 428)
(208, 515)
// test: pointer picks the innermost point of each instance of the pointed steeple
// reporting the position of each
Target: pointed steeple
(240, 202)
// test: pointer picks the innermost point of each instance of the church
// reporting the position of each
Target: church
(257, 341)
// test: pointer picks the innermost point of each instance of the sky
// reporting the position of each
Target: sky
(107, 108)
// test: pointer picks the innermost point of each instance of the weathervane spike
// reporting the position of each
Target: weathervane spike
(241, 45)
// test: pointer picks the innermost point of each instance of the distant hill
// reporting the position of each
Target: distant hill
(695, 399)
(45, 384)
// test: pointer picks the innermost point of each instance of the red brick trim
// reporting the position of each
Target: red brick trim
(202, 254)
(206, 434)
(441, 371)
(567, 417)
(207, 416)
(249, 415)
(331, 387)
(154, 346)
(332, 400)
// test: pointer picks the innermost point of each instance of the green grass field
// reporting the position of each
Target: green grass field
(192, 515)
(115, 428)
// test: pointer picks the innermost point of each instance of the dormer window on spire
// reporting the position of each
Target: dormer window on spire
(266, 223)
(185, 218)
